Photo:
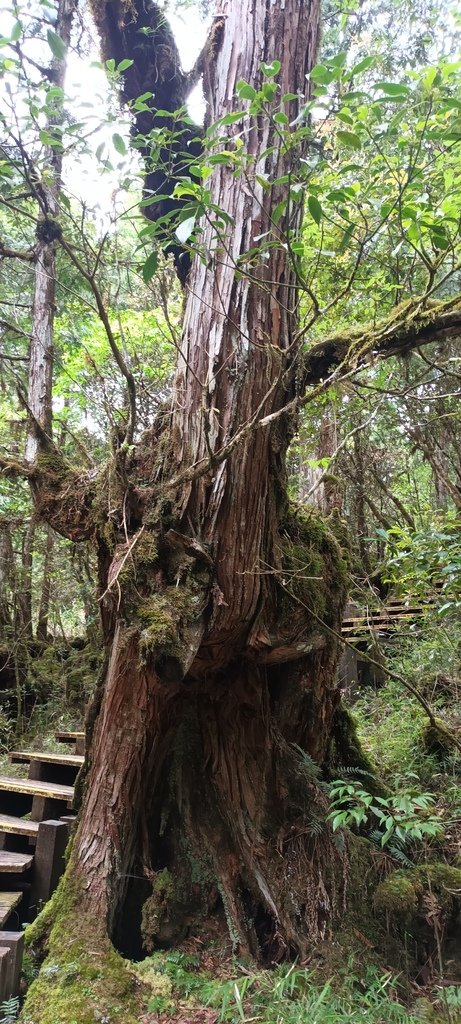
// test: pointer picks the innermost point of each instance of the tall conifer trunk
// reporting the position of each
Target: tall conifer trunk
(219, 694)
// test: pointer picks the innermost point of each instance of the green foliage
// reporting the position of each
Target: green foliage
(9, 1011)
(402, 818)
(290, 994)
(427, 562)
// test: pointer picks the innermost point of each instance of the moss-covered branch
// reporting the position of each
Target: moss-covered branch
(409, 326)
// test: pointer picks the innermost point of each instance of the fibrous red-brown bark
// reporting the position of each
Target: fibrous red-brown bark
(219, 695)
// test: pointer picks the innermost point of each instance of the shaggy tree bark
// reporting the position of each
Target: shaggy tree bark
(219, 686)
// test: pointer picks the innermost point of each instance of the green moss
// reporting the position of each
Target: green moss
(142, 559)
(162, 628)
(399, 894)
(164, 618)
(404, 893)
(346, 749)
(358, 930)
(444, 879)
(314, 566)
(437, 742)
(163, 913)
(83, 979)
(52, 465)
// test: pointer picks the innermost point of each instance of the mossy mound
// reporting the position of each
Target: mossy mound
(399, 894)
(437, 742)
(83, 979)
(421, 899)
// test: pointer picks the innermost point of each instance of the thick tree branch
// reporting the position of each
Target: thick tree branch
(14, 468)
(16, 254)
(140, 32)
(409, 326)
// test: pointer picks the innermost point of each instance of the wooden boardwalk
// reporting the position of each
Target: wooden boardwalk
(361, 623)
(35, 819)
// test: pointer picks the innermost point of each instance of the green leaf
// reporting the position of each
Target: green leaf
(343, 245)
(119, 144)
(245, 91)
(339, 60)
(125, 64)
(269, 70)
(362, 65)
(150, 267)
(56, 45)
(345, 117)
(279, 210)
(269, 91)
(349, 139)
(322, 75)
(185, 229)
(393, 88)
(16, 32)
(315, 209)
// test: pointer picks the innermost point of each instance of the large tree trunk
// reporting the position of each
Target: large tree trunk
(215, 713)
(220, 683)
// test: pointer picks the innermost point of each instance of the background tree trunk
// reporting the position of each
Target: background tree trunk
(48, 233)
(45, 593)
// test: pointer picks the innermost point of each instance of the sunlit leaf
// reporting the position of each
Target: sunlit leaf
(349, 139)
(119, 144)
(185, 229)
(56, 44)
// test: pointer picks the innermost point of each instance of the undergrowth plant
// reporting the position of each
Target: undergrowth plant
(285, 995)
(9, 1011)
(401, 819)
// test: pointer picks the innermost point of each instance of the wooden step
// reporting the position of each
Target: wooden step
(15, 863)
(18, 826)
(13, 944)
(77, 738)
(32, 788)
(8, 902)
(74, 760)
(384, 616)
(69, 737)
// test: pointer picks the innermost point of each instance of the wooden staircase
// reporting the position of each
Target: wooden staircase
(35, 820)
(360, 624)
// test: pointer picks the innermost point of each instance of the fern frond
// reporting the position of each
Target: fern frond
(9, 1011)
(398, 854)
(308, 765)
